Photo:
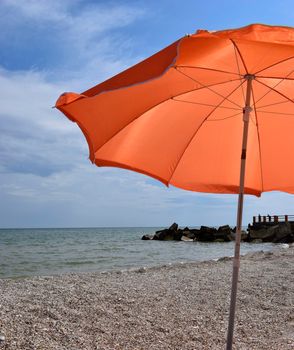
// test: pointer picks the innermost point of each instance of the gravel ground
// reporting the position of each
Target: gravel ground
(179, 307)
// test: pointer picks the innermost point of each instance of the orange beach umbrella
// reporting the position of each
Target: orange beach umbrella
(213, 112)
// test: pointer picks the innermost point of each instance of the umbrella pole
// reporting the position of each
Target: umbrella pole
(236, 260)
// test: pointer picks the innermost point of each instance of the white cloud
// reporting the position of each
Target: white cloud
(36, 138)
(78, 17)
(85, 37)
(88, 195)
(27, 96)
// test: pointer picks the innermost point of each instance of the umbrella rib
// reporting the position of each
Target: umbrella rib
(235, 50)
(259, 143)
(263, 96)
(242, 59)
(204, 68)
(278, 83)
(272, 104)
(209, 87)
(281, 78)
(274, 64)
(273, 89)
(278, 113)
(205, 86)
(220, 119)
(197, 130)
(204, 104)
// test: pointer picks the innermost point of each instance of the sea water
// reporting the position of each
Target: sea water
(33, 252)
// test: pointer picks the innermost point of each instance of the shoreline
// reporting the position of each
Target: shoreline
(145, 268)
(178, 306)
(203, 246)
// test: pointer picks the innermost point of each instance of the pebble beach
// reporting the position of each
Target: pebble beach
(176, 307)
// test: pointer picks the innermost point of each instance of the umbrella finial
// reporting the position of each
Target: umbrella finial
(249, 76)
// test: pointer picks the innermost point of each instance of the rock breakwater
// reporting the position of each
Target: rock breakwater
(203, 234)
(282, 232)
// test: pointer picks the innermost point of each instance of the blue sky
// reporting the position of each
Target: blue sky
(48, 47)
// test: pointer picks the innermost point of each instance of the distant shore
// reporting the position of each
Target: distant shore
(183, 306)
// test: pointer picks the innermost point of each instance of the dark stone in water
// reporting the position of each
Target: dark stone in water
(190, 233)
(178, 235)
(173, 227)
(147, 237)
(169, 234)
(265, 234)
(274, 232)
(186, 239)
(282, 231)
(164, 235)
(207, 234)
(224, 233)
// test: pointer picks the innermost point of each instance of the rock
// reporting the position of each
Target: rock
(2, 338)
(188, 234)
(172, 233)
(207, 234)
(224, 228)
(225, 258)
(231, 236)
(186, 239)
(195, 232)
(219, 240)
(164, 235)
(277, 233)
(257, 241)
(142, 269)
(223, 233)
(167, 236)
(286, 239)
(244, 236)
(265, 233)
(178, 235)
(292, 226)
(173, 227)
(147, 237)
(283, 230)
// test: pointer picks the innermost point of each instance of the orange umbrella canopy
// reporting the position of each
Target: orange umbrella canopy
(178, 115)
